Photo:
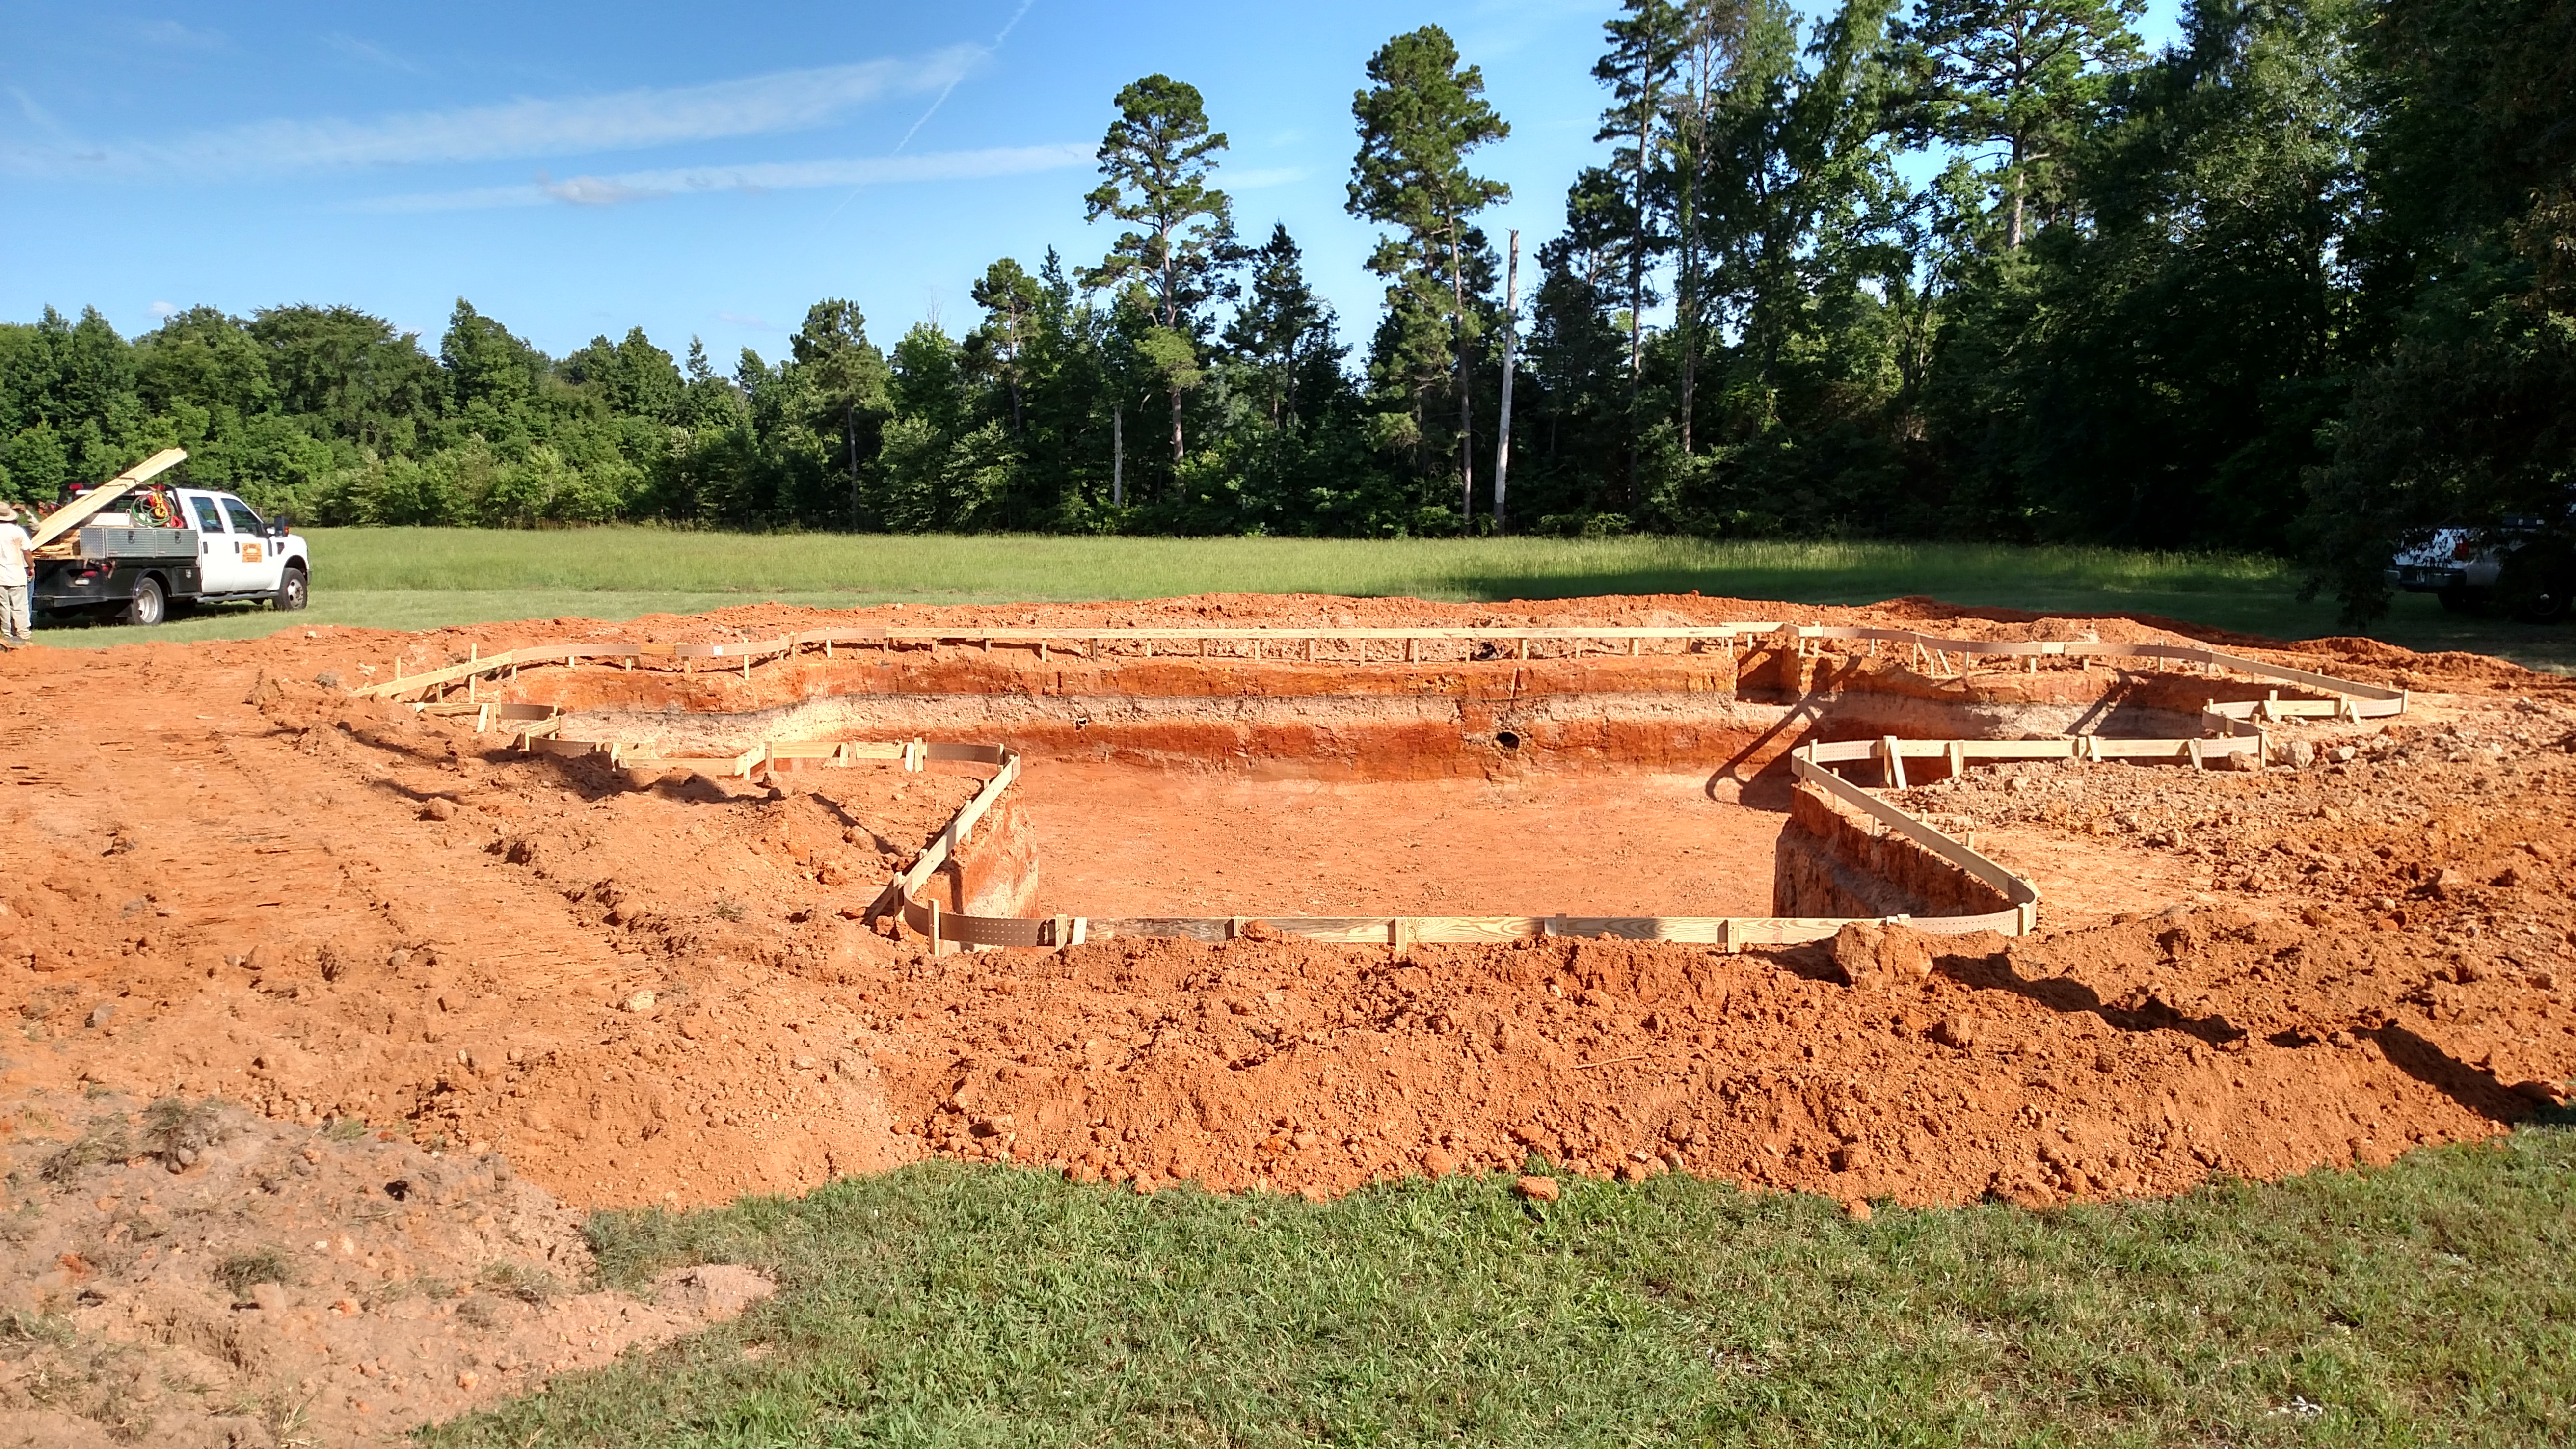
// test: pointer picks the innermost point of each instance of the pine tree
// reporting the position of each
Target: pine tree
(2025, 75)
(1157, 158)
(1418, 120)
(1011, 301)
(1279, 324)
(1640, 68)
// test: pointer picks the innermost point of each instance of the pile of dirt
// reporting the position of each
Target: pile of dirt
(234, 881)
(191, 1274)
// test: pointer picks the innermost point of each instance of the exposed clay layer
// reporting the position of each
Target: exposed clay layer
(1833, 863)
(1373, 721)
(313, 907)
(996, 872)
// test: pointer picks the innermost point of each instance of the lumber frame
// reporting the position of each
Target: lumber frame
(539, 728)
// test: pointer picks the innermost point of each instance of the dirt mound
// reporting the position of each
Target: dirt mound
(234, 880)
(191, 1274)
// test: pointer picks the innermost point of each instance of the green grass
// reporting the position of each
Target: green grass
(407, 578)
(2432, 1302)
(421, 579)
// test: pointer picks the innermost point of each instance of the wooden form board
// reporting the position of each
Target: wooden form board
(2021, 894)
(2355, 699)
(1729, 933)
(2075, 747)
(71, 515)
(1808, 763)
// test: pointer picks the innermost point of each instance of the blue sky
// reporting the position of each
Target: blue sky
(694, 169)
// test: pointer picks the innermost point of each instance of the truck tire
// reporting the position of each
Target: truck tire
(2549, 606)
(149, 606)
(290, 591)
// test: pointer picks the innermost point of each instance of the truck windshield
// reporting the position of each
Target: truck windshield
(244, 521)
(209, 520)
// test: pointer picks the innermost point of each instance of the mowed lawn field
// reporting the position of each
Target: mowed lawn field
(2430, 1302)
(414, 578)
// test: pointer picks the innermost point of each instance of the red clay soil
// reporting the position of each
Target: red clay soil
(1203, 843)
(231, 879)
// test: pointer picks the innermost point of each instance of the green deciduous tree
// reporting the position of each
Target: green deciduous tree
(2466, 251)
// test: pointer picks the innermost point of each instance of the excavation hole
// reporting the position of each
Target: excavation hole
(1118, 840)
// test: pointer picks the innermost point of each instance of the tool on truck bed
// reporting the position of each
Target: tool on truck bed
(72, 515)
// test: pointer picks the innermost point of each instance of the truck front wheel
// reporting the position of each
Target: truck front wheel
(149, 606)
(290, 590)
(2549, 606)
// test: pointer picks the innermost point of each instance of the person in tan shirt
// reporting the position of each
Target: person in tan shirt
(14, 547)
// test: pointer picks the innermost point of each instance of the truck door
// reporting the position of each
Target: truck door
(230, 550)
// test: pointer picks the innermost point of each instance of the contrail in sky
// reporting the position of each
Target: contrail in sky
(999, 36)
(1007, 27)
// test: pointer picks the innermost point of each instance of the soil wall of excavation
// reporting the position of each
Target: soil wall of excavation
(996, 871)
(1374, 721)
(1832, 862)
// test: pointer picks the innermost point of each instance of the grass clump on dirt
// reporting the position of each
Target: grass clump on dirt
(528, 1285)
(102, 1143)
(2434, 1300)
(241, 1272)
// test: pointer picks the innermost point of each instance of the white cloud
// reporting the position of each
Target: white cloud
(172, 35)
(594, 191)
(626, 120)
(162, 309)
(37, 116)
(756, 176)
(370, 52)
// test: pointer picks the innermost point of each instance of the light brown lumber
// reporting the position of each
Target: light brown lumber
(73, 514)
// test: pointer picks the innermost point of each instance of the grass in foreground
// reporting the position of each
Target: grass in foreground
(410, 578)
(2433, 1302)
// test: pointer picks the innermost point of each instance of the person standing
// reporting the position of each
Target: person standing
(14, 548)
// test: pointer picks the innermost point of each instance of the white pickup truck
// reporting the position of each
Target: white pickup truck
(204, 547)
(2463, 568)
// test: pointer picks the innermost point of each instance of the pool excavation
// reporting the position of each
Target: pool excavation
(1900, 903)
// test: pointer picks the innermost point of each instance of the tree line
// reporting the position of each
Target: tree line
(2303, 282)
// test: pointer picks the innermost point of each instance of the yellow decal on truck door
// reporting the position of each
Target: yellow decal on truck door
(251, 553)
